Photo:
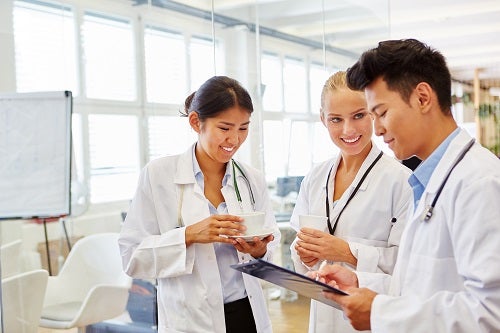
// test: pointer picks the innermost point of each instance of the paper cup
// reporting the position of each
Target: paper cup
(254, 222)
(312, 221)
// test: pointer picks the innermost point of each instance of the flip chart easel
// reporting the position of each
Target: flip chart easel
(35, 157)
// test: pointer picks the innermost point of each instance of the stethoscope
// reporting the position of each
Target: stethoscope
(327, 205)
(180, 222)
(426, 216)
(237, 190)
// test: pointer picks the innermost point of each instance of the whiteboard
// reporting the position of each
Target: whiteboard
(35, 154)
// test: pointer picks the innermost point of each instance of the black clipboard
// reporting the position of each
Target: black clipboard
(288, 279)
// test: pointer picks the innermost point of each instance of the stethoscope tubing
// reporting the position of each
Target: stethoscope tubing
(429, 211)
(247, 182)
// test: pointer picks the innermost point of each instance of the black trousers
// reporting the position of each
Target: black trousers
(239, 317)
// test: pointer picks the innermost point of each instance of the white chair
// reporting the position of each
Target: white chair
(11, 258)
(22, 301)
(91, 286)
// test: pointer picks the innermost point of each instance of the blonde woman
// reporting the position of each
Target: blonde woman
(363, 193)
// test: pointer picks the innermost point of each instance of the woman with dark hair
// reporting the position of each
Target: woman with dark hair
(182, 227)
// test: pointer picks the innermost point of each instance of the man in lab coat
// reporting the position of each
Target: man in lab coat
(447, 274)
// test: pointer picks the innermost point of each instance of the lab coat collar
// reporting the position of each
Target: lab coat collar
(184, 173)
(445, 164)
(372, 155)
(185, 168)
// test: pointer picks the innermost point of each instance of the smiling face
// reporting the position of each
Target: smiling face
(346, 117)
(400, 123)
(220, 137)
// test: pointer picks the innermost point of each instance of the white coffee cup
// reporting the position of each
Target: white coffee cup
(254, 221)
(312, 221)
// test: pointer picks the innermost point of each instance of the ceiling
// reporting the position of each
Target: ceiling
(467, 32)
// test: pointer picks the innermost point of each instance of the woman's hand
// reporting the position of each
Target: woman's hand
(313, 245)
(257, 248)
(215, 228)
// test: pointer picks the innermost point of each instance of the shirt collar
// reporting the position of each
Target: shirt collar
(422, 174)
(198, 174)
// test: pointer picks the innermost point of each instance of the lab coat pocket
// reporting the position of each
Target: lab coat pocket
(368, 242)
(182, 299)
(431, 275)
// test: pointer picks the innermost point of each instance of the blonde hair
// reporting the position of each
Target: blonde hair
(335, 82)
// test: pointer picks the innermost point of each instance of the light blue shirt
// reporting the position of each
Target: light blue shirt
(420, 178)
(233, 287)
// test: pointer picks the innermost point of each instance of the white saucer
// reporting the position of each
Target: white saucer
(249, 238)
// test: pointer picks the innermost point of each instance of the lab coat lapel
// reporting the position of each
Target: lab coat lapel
(184, 173)
(194, 206)
(372, 155)
(445, 164)
(415, 219)
(229, 193)
(230, 196)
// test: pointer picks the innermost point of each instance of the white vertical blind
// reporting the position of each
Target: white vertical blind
(317, 77)
(109, 57)
(201, 54)
(114, 156)
(295, 85)
(322, 146)
(272, 99)
(175, 64)
(275, 152)
(165, 57)
(299, 154)
(168, 135)
(45, 49)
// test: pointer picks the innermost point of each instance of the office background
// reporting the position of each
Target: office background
(130, 64)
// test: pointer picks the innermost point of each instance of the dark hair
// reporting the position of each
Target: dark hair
(403, 64)
(217, 94)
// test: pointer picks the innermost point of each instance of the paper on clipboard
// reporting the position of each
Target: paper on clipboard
(289, 279)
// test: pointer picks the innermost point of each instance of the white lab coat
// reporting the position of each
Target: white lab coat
(153, 245)
(365, 223)
(447, 276)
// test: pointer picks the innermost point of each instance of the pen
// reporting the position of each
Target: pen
(323, 264)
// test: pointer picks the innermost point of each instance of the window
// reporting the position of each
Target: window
(294, 85)
(44, 37)
(169, 135)
(114, 157)
(300, 149)
(323, 147)
(165, 54)
(272, 99)
(108, 46)
(201, 55)
(275, 152)
(317, 77)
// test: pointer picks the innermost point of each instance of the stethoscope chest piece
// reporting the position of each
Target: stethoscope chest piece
(427, 214)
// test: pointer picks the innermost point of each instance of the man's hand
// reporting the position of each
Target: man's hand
(357, 304)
